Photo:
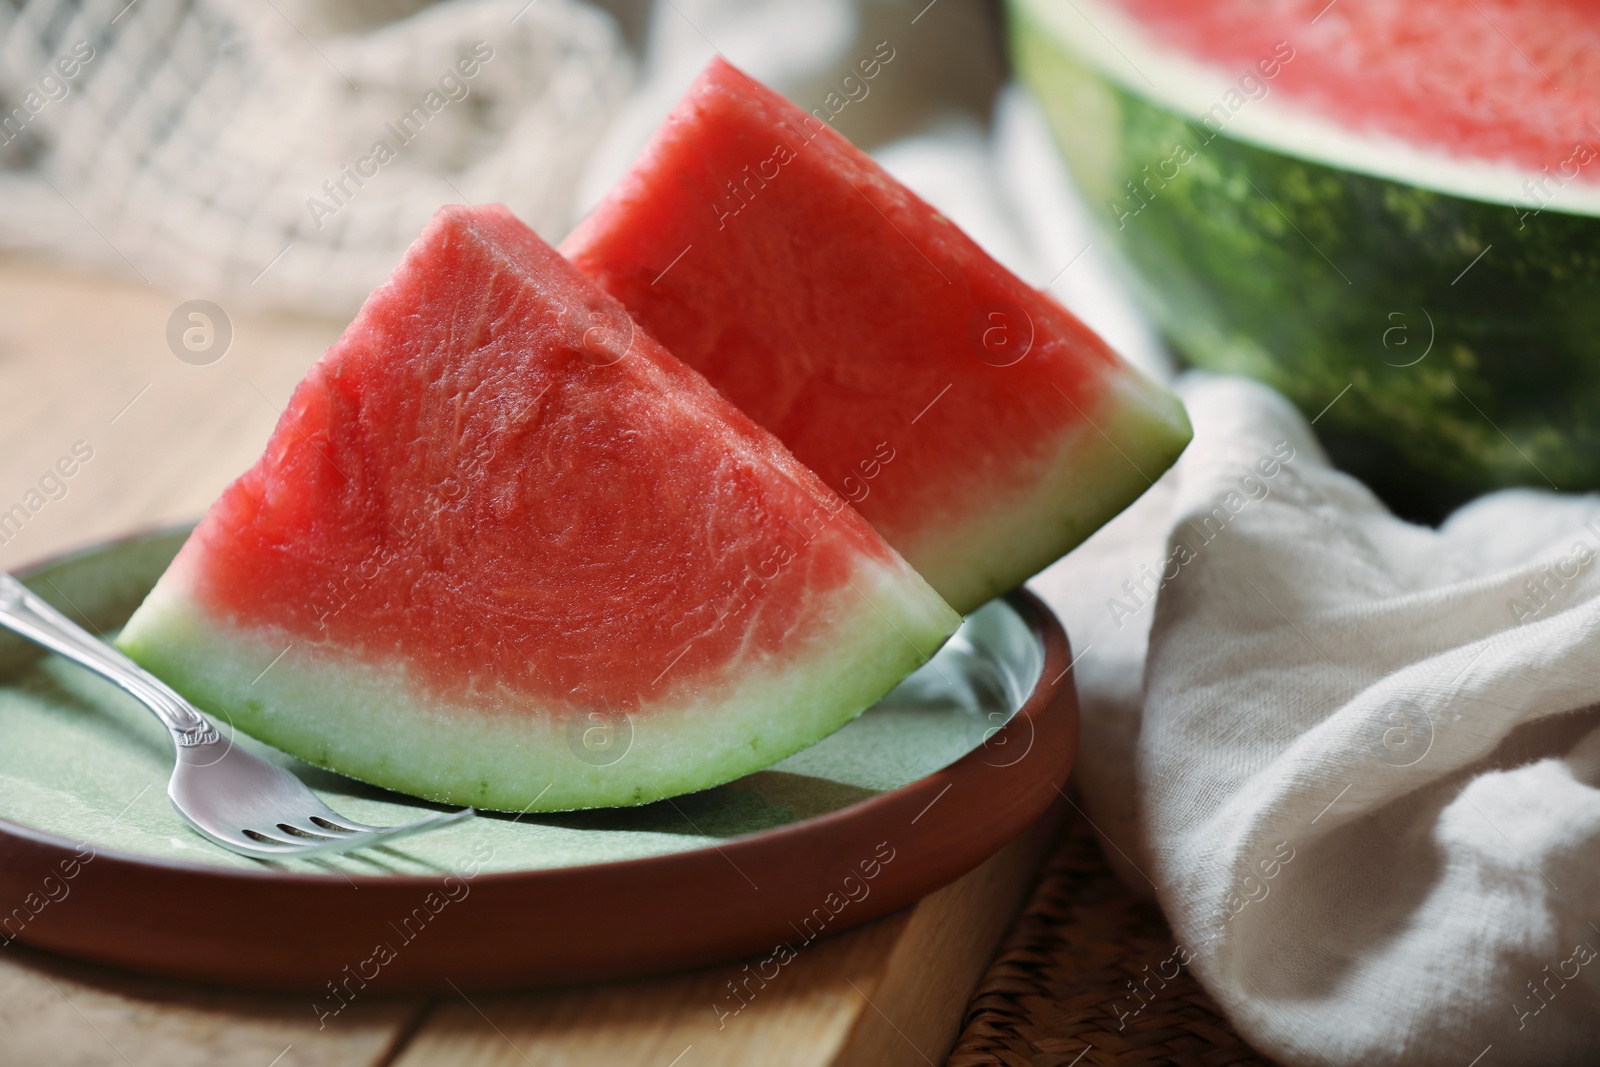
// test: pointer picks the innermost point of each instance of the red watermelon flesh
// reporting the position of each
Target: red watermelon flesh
(978, 425)
(1498, 80)
(504, 550)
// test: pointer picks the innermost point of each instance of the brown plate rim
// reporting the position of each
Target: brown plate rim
(1048, 714)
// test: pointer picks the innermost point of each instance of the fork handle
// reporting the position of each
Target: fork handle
(23, 611)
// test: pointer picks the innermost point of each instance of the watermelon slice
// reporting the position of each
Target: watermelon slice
(504, 550)
(978, 425)
(1391, 205)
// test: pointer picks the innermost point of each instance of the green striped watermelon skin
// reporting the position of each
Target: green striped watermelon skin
(1467, 332)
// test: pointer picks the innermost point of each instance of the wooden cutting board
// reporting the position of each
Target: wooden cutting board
(85, 365)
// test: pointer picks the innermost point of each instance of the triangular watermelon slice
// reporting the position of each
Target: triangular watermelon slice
(504, 550)
(969, 417)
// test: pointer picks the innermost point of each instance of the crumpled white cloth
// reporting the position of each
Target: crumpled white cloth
(286, 154)
(1363, 774)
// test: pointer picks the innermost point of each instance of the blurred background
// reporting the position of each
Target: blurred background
(204, 139)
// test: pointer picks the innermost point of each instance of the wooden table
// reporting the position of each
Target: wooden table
(86, 360)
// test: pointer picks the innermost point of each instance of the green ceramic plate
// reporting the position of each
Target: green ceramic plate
(84, 767)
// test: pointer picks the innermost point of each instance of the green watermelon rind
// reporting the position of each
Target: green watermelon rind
(1134, 431)
(1314, 278)
(369, 721)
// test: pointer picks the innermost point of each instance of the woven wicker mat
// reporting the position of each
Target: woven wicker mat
(1054, 994)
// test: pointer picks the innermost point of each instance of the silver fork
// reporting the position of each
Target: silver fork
(228, 795)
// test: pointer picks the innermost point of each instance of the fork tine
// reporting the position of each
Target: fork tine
(384, 834)
(310, 831)
(338, 822)
(243, 843)
(367, 838)
(277, 843)
(320, 814)
(431, 822)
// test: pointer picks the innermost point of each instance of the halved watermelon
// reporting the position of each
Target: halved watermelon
(1395, 206)
(969, 417)
(504, 550)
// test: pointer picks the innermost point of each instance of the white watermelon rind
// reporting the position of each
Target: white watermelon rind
(371, 721)
(1114, 448)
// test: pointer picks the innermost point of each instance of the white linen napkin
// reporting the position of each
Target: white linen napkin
(1368, 752)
